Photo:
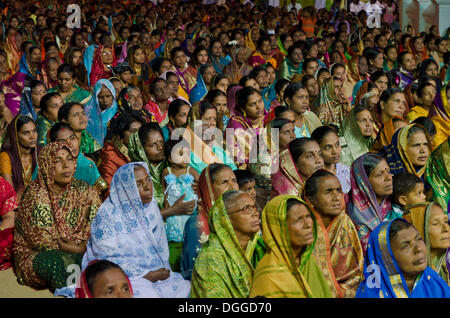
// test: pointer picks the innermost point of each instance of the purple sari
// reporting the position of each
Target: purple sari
(12, 88)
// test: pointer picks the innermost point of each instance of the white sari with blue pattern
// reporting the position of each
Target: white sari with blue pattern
(133, 236)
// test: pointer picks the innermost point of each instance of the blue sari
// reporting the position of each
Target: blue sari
(391, 283)
(23, 67)
(88, 58)
(97, 119)
(26, 104)
(199, 91)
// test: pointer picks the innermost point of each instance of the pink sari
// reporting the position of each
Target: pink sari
(287, 180)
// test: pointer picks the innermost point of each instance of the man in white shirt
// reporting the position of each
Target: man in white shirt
(356, 6)
(373, 7)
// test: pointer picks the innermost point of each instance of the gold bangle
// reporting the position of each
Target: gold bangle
(1, 228)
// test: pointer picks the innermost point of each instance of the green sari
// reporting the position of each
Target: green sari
(136, 153)
(88, 144)
(43, 125)
(222, 268)
(288, 70)
(352, 141)
(437, 173)
(278, 275)
(79, 95)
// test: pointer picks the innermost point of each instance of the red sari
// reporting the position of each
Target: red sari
(99, 70)
(8, 203)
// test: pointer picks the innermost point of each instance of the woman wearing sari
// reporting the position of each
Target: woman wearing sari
(67, 89)
(48, 72)
(289, 270)
(337, 251)
(130, 99)
(226, 263)
(141, 71)
(187, 75)
(18, 158)
(217, 58)
(297, 99)
(31, 99)
(247, 125)
(331, 106)
(204, 138)
(408, 151)
(431, 222)
(368, 201)
(30, 61)
(357, 135)
(297, 163)
(213, 182)
(440, 115)
(262, 55)
(129, 231)
(8, 203)
(158, 103)
(53, 221)
(402, 274)
(104, 58)
(100, 109)
(437, 172)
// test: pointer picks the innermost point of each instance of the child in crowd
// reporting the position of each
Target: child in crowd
(177, 180)
(247, 183)
(408, 190)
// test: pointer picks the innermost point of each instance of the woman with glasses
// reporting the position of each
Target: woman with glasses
(226, 264)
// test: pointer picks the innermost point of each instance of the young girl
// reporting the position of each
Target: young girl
(178, 180)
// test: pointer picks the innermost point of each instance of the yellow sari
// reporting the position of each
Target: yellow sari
(277, 275)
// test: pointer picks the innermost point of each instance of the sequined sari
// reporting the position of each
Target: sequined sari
(287, 179)
(329, 109)
(437, 173)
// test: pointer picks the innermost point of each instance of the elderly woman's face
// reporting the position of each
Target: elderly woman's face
(105, 98)
(417, 149)
(144, 184)
(409, 251)
(64, 169)
(224, 180)
(244, 216)
(300, 226)
(438, 229)
(365, 123)
(329, 198)
(381, 180)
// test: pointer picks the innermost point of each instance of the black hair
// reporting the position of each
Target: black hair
(63, 113)
(213, 94)
(421, 88)
(387, 93)
(322, 70)
(292, 48)
(320, 132)
(214, 169)
(146, 129)
(370, 162)
(404, 183)
(279, 110)
(282, 82)
(307, 61)
(174, 51)
(371, 53)
(297, 147)
(312, 183)
(291, 89)
(401, 56)
(244, 80)
(198, 49)
(415, 129)
(175, 106)
(254, 72)
(218, 78)
(36, 83)
(94, 270)
(120, 124)
(23, 46)
(377, 74)
(424, 65)
(243, 96)
(45, 100)
(66, 68)
(22, 120)
(306, 78)
(203, 106)
(156, 66)
(396, 226)
(279, 123)
(261, 40)
(53, 132)
(243, 177)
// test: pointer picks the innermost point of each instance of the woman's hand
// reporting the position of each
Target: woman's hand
(179, 208)
(160, 274)
(70, 246)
